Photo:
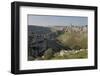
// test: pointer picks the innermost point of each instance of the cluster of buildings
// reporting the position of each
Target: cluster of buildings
(71, 28)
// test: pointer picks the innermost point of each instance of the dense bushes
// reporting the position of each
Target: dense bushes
(48, 54)
(73, 40)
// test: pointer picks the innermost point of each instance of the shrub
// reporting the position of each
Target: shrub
(48, 54)
(84, 42)
(73, 40)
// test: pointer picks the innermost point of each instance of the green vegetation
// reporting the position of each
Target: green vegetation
(72, 55)
(73, 40)
(75, 54)
(48, 54)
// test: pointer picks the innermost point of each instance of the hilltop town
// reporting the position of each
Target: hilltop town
(71, 28)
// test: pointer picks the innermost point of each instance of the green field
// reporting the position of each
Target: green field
(72, 55)
(75, 54)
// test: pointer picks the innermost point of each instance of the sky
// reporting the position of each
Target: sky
(47, 20)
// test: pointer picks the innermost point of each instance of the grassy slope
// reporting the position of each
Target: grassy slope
(72, 55)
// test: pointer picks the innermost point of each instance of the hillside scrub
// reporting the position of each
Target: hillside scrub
(48, 54)
(76, 54)
(73, 40)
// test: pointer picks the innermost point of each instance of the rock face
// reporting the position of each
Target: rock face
(41, 46)
(40, 39)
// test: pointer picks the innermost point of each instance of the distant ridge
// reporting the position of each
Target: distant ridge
(38, 29)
